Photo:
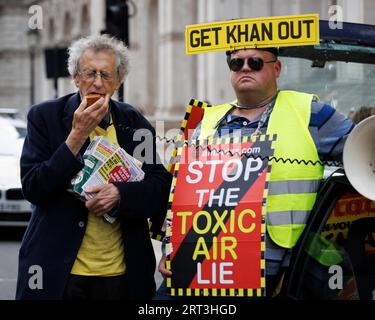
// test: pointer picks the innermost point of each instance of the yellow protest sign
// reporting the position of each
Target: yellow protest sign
(293, 30)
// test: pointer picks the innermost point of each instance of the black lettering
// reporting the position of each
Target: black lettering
(230, 33)
(194, 42)
(293, 33)
(343, 225)
(205, 37)
(266, 31)
(308, 26)
(216, 30)
(335, 226)
(242, 33)
(327, 227)
(283, 35)
(254, 33)
(330, 236)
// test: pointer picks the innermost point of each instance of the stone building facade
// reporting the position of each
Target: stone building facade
(162, 78)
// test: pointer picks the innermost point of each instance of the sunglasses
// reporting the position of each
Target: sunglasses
(254, 63)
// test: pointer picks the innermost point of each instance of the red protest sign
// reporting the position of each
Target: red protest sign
(216, 218)
(194, 114)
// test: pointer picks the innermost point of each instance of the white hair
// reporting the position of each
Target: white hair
(98, 43)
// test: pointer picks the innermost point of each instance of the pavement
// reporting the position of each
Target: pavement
(10, 242)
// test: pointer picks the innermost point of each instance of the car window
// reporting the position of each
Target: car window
(11, 138)
(341, 84)
(22, 131)
(351, 226)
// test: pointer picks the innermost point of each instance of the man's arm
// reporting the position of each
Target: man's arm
(329, 129)
(44, 172)
(84, 122)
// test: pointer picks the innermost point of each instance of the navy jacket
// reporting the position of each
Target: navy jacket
(58, 221)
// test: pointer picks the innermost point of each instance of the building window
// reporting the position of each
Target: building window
(68, 24)
(51, 30)
(85, 20)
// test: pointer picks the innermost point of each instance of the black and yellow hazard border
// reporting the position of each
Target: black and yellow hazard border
(219, 292)
(180, 137)
(156, 229)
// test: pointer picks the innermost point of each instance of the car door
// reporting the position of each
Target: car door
(335, 258)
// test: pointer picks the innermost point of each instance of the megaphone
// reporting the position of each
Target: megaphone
(359, 158)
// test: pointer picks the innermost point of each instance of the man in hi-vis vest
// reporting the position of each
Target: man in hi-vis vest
(306, 129)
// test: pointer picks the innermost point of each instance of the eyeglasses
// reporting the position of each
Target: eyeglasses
(254, 63)
(90, 75)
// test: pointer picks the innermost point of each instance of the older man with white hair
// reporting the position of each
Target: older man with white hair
(75, 252)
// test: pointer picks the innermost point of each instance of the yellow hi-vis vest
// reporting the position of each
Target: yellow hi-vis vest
(292, 186)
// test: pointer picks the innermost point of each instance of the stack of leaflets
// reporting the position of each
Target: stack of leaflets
(104, 162)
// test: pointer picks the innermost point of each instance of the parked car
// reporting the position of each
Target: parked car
(9, 113)
(14, 209)
(335, 257)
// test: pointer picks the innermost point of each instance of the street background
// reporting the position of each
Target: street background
(10, 242)
(162, 78)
